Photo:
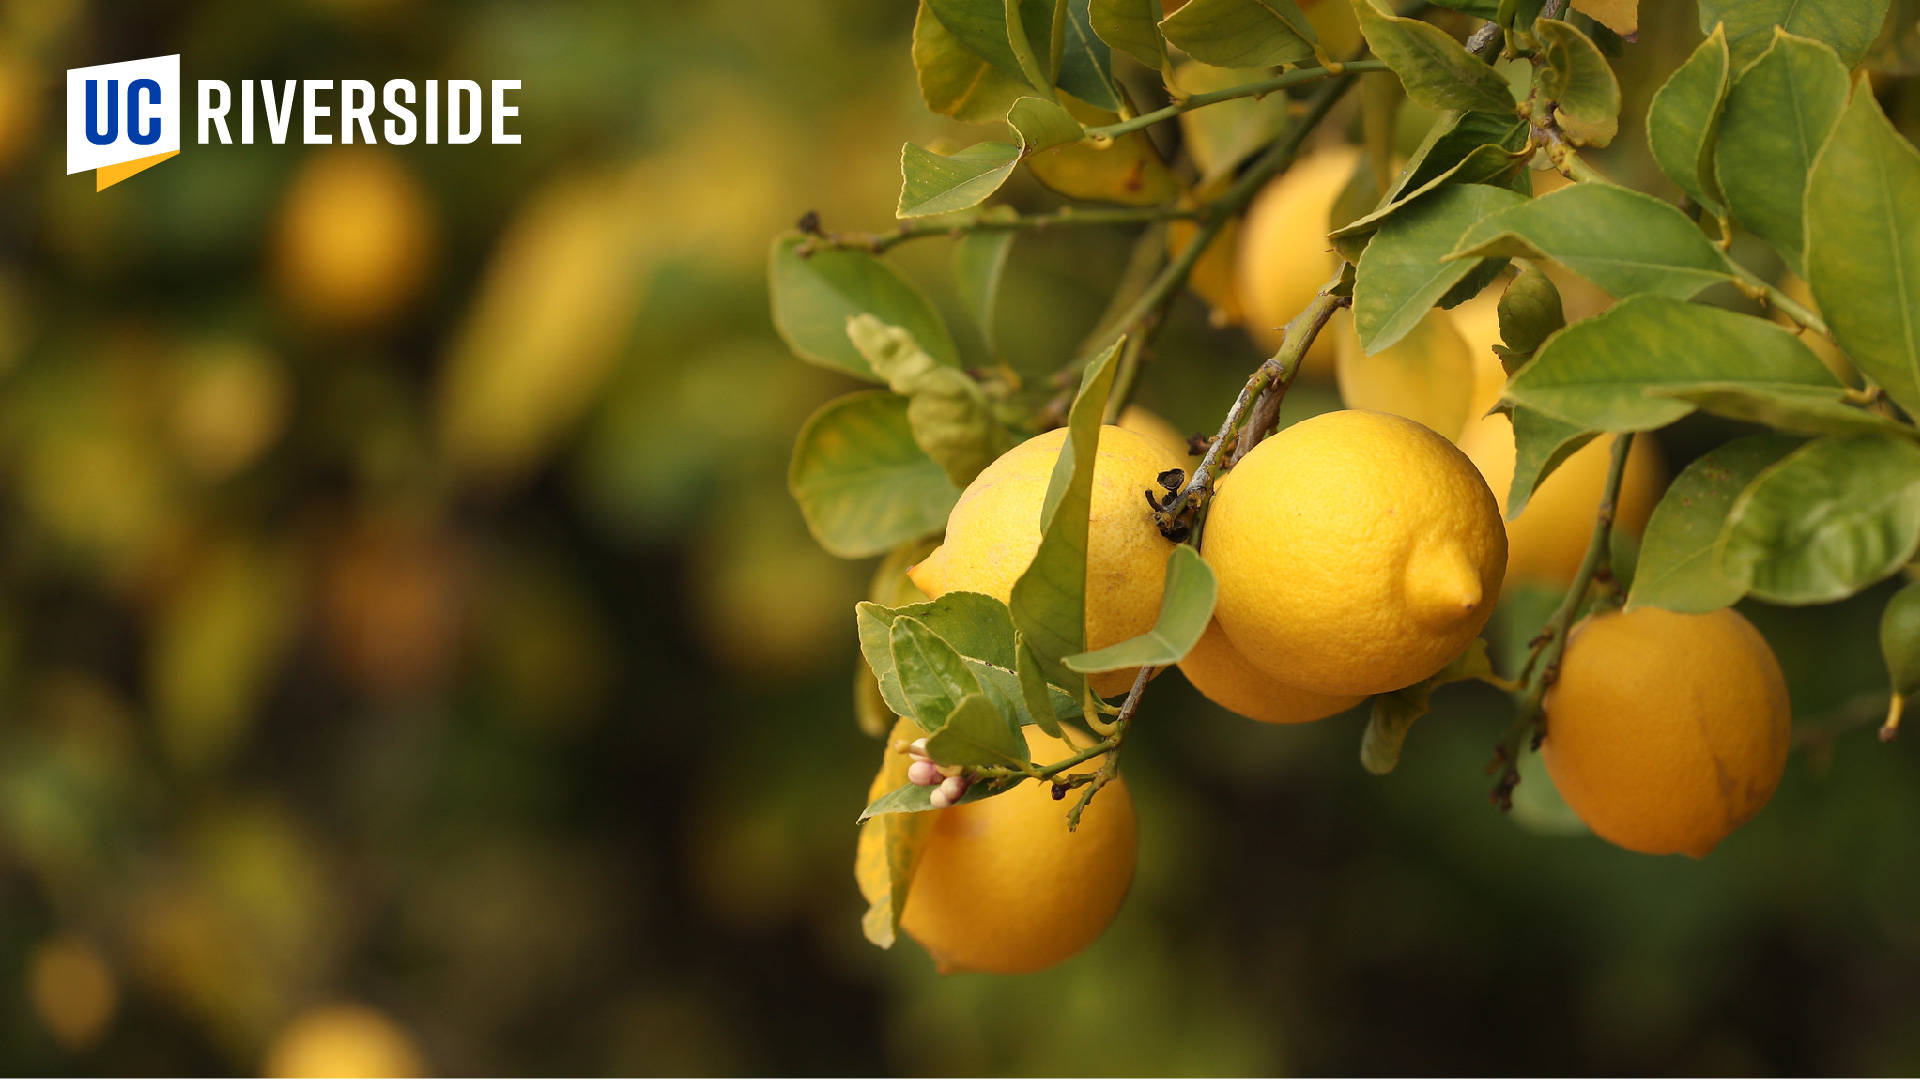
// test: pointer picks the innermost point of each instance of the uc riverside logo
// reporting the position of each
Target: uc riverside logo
(125, 118)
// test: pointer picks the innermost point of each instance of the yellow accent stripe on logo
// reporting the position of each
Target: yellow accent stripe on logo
(108, 175)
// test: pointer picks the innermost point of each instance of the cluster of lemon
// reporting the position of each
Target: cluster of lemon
(1357, 552)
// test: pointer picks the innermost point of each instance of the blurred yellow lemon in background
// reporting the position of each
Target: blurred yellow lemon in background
(1548, 540)
(343, 1040)
(73, 990)
(1357, 552)
(1427, 376)
(355, 239)
(1284, 254)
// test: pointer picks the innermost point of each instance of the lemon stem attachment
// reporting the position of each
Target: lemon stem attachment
(1544, 660)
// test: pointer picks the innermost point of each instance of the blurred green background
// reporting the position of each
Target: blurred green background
(410, 657)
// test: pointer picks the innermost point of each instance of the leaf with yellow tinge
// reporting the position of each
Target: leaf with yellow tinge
(956, 81)
(1620, 16)
(1127, 170)
(890, 845)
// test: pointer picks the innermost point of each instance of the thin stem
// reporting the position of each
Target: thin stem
(1786, 305)
(1110, 768)
(1260, 88)
(1065, 217)
(1543, 665)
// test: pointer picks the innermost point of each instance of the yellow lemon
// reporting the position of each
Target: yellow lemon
(1549, 538)
(1357, 552)
(1427, 376)
(1212, 278)
(19, 108)
(994, 530)
(1217, 670)
(1284, 255)
(73, 991)
(1478, 323)
(355, 238)
(343, 1040)
(1144, 421)
(1003, 887)
(1666, 732)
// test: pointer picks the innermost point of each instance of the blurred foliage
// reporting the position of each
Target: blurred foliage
(409, 656)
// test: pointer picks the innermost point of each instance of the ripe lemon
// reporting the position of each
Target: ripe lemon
(1284, 254)
(343, 1040)
(994, 530)
(1427, 376)
(1212, 278)
(1666, 732)
(1144, 421)
(1003, 887)
(1549, 538)
(1478, 323)
(1216, 669)
(1357, 552)
(355, 238)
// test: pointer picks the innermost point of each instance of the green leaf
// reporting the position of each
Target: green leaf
(814, 294)
(1848, 25)
(1678, 568)
(1900, 639)
(1437, 71)
(956, 81)
(933, 676)
(1132, 26)
(977, 626)
(1604, 373)
(1185, 608)
(1004, 689)
(1777, 116)
(1681, 119)
(1405, 270)
(1460, 148)
(1241, 33)
(934, 184)
(918, 798)
(1393, 713)
(1580, 83)
(1035, 693)
(1863, 246)
(951, 418)
(1806, 410)
(1827, 520)
(889, 848)
(1042, 124)
(979, 264)
(1049, 600)
(1529, 313)
(1086, 64)
(982, 27)
(862, 483)
(1226, 133)
(1541, 442)
(976, 733)
(1624, 241)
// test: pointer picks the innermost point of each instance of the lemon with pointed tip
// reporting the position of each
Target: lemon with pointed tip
(1229, 680)
(1003, 887)
(994, 531)
(1357, 552)
(1549, 539)
(1666, 732)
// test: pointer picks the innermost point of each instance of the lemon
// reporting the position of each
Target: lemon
(1357, 552)
(343, 1040)
(1549, 538)
(355, 238)
(1144, 421)
(1212, 278)
(994, 530)
(1427, 376)
(1477, 321)
(19, 108)
(1216, 669)
(73, 991)
(1666, 732)
(1284, 254)
(1003, 887)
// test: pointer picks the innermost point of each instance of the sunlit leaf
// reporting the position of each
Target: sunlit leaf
(1678, 568)
(814, 294)
(1241, 33)
(1437, 71)
(1405, 269)
(1624, 241)
(1185, 608)
(862, 482)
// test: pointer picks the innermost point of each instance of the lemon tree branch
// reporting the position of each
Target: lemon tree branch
(1544, 662)
(1064, 218)
(1260, 88)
